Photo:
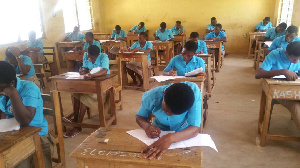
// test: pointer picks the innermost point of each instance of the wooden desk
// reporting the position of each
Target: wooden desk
(62, 45)
(101, 36)
(134, 57)
(131, 38)
(217, 46)
(275, 89)
(209, 73)
(34, 57)
(167, 46)
(180, 38)
(106, 45)
(16, 146)
(261, 54)
(72, 58)
(123, 150)
(252, 36)
(97, 86)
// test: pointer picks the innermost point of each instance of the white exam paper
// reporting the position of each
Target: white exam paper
(9, 125)
(165, 78)
(194, 72)
(73, 75)
(280, 77)
(96, 70)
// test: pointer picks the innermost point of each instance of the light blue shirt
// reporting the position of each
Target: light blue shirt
(121, 34)
(280, 42)
(101, 61)
(176, 31)
(213, 35)
(181, 67)
(30, 95)
(96, 43)
(137, 30)
(151, 104)
(146, 46)
(271, 33)
(260, 26)
(79, 37)
(26, 61)
(201, 47)
(163, 36)
(37, 43)
(277, 60)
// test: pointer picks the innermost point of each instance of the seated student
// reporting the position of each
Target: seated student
(118, 34)
(75, 35)
(138, 28)
(264, 25)
(91, 59)
(176, 107)
(163, 34)
(211, 26)
(185, 62)
(217, 35)
(202, 48)
(178, 29)
(282, 41)
(275, 32)
(22, 100)
(89, 38)
(281, 62)
(22, 64)
(36, 45)
(134, 69)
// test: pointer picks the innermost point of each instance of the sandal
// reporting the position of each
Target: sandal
(72, 134)
(65, 119)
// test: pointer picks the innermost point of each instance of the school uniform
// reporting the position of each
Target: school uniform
(122, 34)
(151, 104)
(87, 45)
(38, 43)
(271, 33)
(78, 37)
(211, 27)
(163, 36)
(280, 42)
(181, 67)
(176, 31)
(260, 26)
(202, 47)
(137, 30)
(221, 35)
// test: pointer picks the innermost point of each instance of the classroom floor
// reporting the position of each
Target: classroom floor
(232, 122)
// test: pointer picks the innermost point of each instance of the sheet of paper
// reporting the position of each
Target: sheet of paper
(199, 140)
(73, 75)
(194, 72)
(165, 78)
(268, 43)
(96, 70)
(280, 77)
(9, 125)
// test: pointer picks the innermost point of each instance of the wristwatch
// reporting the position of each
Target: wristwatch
(18, 57)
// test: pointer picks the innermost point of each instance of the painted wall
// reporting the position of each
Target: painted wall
(296, 13)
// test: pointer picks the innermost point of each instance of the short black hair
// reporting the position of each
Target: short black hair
(163, 25)
(194, 35)
(219, 25)
(94, 50)
(32, 33)
(179, 97)
(90, 34)
(118, 27)
(191, 46)
(283, 25)
(267, 19)
(9, 54)
(178, 22)
(292, 29)
(293, 48)
(7, 72)
(142, 24)
(143, 34)
(213, 18)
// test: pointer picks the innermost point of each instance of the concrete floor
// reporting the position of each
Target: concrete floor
(232, 122)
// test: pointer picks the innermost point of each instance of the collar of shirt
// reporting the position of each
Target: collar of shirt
(192, 59)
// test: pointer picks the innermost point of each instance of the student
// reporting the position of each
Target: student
(163, 34)
(75, 35)
(178, 29)
(176, 107)
(282, 41)
(36, 45)
(275, 32)
(211, 26)
(202, 48)
(118, 34)
(91, 59)
(139, 28)
(217, 35)
(134, 69)
(89, 38)
(281, 62)
(22, 100)
(185, 62)
(264, 25)
(22, 64)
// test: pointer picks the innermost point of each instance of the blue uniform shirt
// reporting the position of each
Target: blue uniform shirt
(27, 61)
(146, 46)
(121, 34)
(37, 43)
(151, 104)
(137, 30)
(201, 47)
(163, 36)
(101, 61)
(260, 26)
(79, 37)
(30, 95)
(181, 67)
(271, 33)
(96, 43)
(277, 60)
(176, 31)
(213, 35)
(280, 42)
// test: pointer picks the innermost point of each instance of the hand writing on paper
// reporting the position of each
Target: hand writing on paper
(152, 131)
(88, 76)
(172, 73)
(290, 75)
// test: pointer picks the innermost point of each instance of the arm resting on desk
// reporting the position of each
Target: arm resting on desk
(290, 76)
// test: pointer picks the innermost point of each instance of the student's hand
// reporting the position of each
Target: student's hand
(158, 148)
(134, 50)
(88, 76)
(290, 75)
(172, 73)
(201, 52)
(82, 71)
(152, 131)
(120, 38)
(201, 73)
(74, 49)
(8, 91)
(15, 51)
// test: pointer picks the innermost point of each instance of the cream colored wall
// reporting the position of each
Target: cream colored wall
(296, 13)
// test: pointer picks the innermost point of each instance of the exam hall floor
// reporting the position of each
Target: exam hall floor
(232, 122)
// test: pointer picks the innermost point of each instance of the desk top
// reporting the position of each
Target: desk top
(71, 42)
(161, 42)
(271, 81)
(111, 41)
(256, 33)
(64, 77)
(132, 53)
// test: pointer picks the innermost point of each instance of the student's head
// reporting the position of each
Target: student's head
(141, 25)
(163, 25)
(76, 29)
(31, 36)
(178, 98)
(89, 37)
(281, 27)
(10, 57)
(178, 24)
(7, 75)
(213, 21)
(142, 37)
(194, 36)
(266, 21)
(93, 53)
(189, 50)
(293, 51)
(118, 29)
(218, 28)
(291, 33)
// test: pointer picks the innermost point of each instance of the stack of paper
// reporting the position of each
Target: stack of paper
(280, 77)
(194, 72)
(73, 75)
(165, 78)
(9, 125)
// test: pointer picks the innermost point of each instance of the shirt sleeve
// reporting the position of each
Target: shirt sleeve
(268, 62)
(257, 26)
(85, 58)
(172, 30)
(133, 28)
(70, 35)
(208, 27)
(144, 110)
(170, 65)
(273, 45)
(27, 60)
(204, 47)
(208, 36)
(223, 34)
(194, 113)
(268, 33)
(202, 64)
(150, 45)
(113, 34)
(134, 45)
(143, 29)
(183, 29)
(270, 25)
(85, 46)
(30, 98)
(124, 34)
(40, 45)
(171, 35)
(105, 62)
(98, 45)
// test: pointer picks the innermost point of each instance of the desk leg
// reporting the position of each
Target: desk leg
(123, 74)
(2, 163)
(112, 105)
(100, 105)
(168, 56)
(219, 59)
(59, 53)
(261, 111)
(266, 121)
(145, 72)
(38, 157)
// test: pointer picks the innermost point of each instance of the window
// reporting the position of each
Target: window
(18, 20)
(286, 11)
(77, 13)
